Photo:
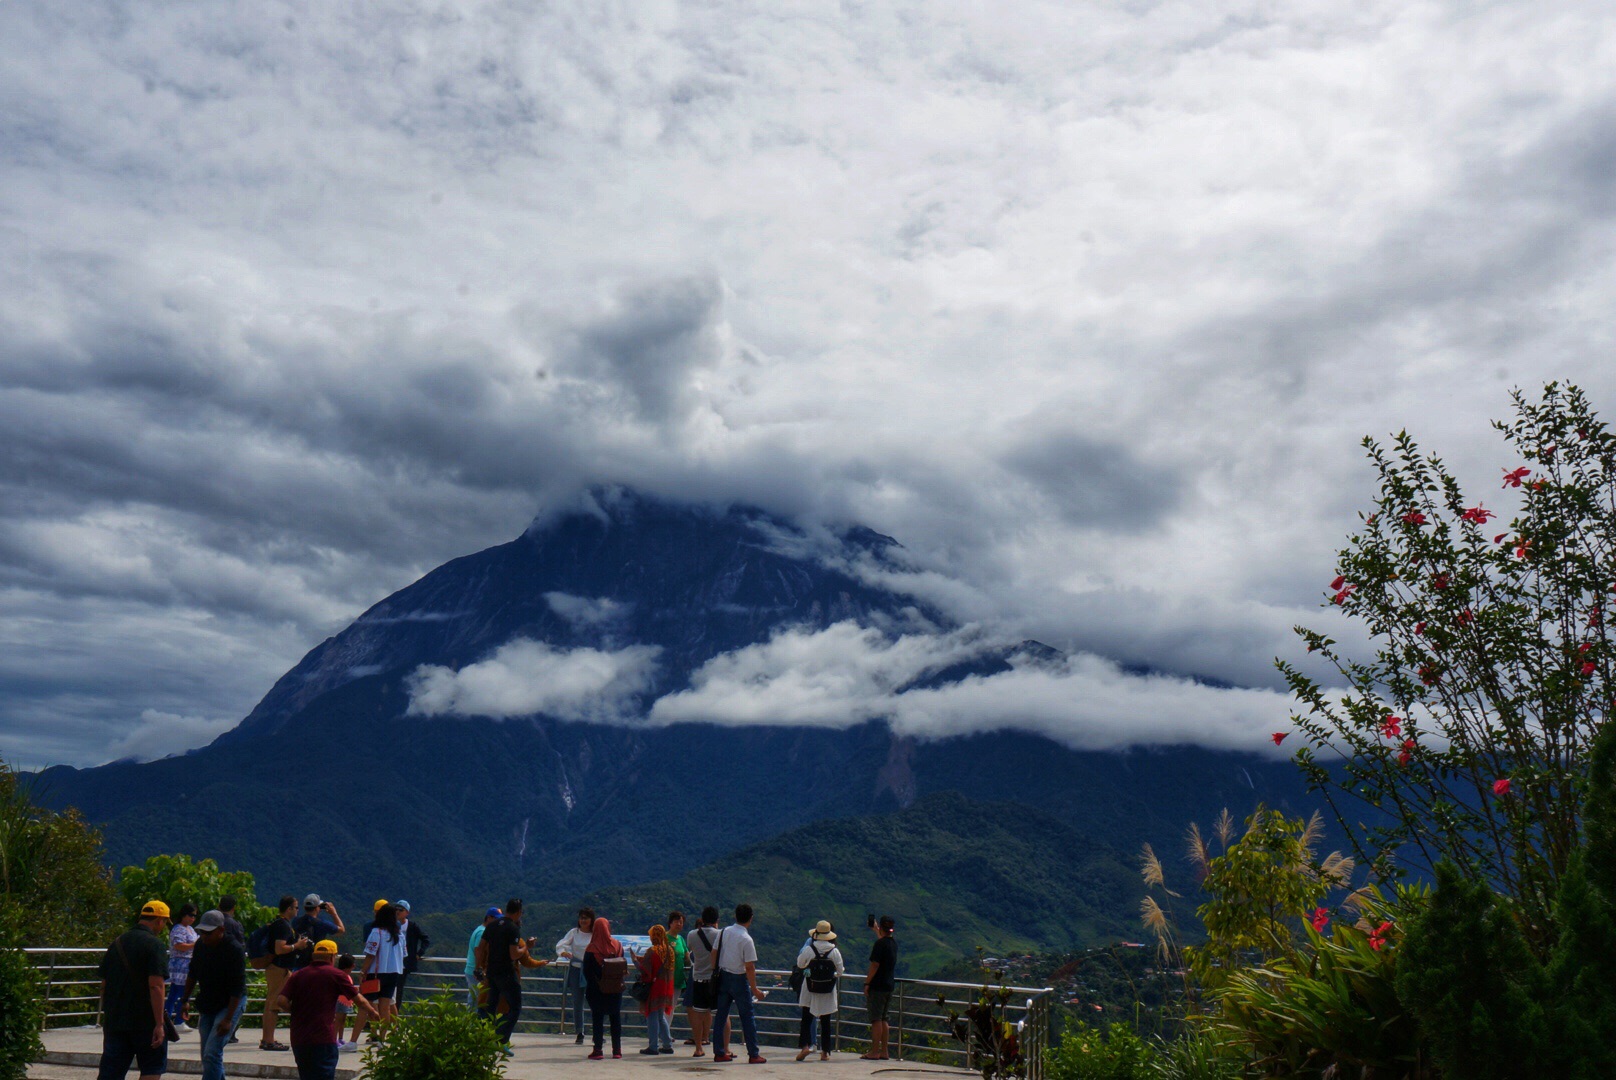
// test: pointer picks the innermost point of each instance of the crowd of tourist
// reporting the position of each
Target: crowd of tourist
(152, 992)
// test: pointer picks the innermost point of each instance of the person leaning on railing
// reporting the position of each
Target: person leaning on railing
(879, 983)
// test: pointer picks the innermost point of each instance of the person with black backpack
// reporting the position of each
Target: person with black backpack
(820, 961)
(605, 969)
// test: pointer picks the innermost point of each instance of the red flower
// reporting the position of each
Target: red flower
(1548, 451)
(1377, 937)
(1340, 580)
(1513, 479)
(1440, 581)
(1413, 517)
(1341, 597)
(1594, 617)
(1404, 757)
(1499, 539)
(1419, 627)
(1478, 515)
(1538, 485)
(1500, 787)
(1584, 647)
(1279, 737)
(1588, 668)
(1321, 919)
(1466, 617)
(1428, 675)
(1392, 727)
(1523, 549)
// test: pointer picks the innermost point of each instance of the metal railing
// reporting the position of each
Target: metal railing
(919, 1015)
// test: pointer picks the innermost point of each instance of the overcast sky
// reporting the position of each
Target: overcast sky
(1087, 304)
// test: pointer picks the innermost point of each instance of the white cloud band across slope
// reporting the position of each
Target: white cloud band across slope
(847, 674)
(525, 678)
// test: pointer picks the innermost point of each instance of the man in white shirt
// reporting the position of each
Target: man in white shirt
(571, 948)
(736, 960)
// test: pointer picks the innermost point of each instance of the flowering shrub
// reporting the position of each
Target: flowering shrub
(1468, 729)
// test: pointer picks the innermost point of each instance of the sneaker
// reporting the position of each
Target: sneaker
(184, 1029)
(579, 1041)
(507, 1051)
(616, 1056)
(349, 1047)
(666, 1050)
(649, 1050)
(595, 1055)
(756, 1060)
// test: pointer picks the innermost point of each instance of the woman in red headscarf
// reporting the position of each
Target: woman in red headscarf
(656, 972)
(604, 970)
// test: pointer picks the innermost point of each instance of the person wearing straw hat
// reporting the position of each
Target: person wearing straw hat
(133, 974)
(822, 963)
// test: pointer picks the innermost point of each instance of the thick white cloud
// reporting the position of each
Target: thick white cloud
(1086, 304)
(159, 734)
(525, 678)
(847, 674)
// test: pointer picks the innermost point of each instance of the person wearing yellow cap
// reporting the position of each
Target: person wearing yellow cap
(310, 997)
(133, 973)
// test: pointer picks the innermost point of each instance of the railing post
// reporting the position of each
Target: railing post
(50, 982)
(900, 1021)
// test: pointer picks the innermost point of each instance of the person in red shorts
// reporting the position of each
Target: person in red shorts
(310, 997)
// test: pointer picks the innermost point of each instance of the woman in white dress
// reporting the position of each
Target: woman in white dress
(822, 963)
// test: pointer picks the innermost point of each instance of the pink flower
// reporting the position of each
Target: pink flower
(1392, 727)
(1279, 737)
(1478, 515)
(1321, 919)
(1501, 787)
(1340, 580)
(1513, 479)
(1413, 517)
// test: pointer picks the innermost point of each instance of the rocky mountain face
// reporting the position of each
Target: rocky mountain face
(332, 783)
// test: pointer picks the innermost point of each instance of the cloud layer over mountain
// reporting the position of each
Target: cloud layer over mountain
(1087, 304)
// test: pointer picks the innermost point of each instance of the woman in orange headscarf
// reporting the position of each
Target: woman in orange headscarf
(656, 979)
(604, 970)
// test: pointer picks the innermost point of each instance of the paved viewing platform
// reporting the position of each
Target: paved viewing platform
(72, 1053)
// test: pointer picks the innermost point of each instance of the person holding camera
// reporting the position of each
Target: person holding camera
(879, 983)
(501, 956)
(318, 922)
(285, 947)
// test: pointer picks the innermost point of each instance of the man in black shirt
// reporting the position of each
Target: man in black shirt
(219, 976)
(498, 955)
(134, 977)
(285, 946)
(879, 984)
(234, 931)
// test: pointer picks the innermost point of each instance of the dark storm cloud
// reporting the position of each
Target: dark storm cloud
(1088, 308)
(1096, 485)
